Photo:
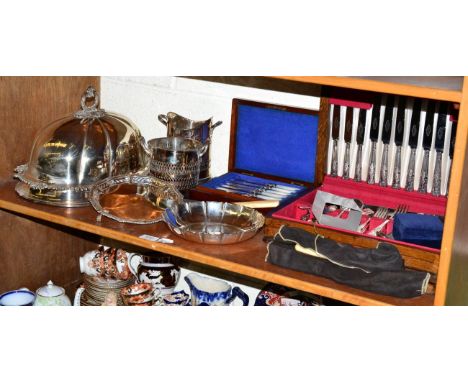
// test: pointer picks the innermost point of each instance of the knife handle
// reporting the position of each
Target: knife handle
(410, 175)
(334, 163)
(346, 161)
(437, 175)
(358, 172)
(424, 172)
(397, 169)
(371, 175)
(384, 168)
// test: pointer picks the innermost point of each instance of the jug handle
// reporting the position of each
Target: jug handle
(216, 124)
(134, 268)
(77, 298)
(163, 119)
(237, 292)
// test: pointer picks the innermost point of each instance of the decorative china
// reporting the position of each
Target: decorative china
(213, 222)
(133, 198)
(208, 291)
(95, 290)
(142, 294)
(178, 126)
(18, 297)
(177, 298)
(74, 152)
(110, 263)
(158, 270)
(51, 294)
(279, 295)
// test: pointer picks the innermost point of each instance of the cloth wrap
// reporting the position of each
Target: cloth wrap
(379, 270)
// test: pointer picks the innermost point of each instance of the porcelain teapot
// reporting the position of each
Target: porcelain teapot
(51, 294)
(208, 291)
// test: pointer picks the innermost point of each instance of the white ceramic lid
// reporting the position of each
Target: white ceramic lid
(50, 290)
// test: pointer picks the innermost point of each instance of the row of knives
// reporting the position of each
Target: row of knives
(399, 142)
(259, 189)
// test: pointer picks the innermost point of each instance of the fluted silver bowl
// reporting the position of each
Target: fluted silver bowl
(213, 222)
(76, 151)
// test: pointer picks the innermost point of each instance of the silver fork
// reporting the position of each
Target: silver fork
(380, 213)
(401, 209)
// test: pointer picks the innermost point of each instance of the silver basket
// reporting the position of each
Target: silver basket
(181, 176)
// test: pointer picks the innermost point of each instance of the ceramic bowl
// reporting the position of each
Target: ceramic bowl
(138, 294)
(136, 289)
(18, 297)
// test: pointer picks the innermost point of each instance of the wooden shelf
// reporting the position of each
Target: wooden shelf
(439, 88)
(247, 258)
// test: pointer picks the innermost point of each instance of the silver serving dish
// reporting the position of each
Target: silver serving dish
(213, 222)
(74, 152)
(179, 126)
(133, 199)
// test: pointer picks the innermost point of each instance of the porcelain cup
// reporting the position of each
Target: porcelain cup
(110, 263)
(18, 297)
(142, 294)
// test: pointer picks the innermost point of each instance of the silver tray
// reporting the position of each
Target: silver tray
(213, 222)
(60, 198)
(133, 198)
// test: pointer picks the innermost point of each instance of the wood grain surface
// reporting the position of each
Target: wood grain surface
(423, 87)
(31, 252)
(246, 258)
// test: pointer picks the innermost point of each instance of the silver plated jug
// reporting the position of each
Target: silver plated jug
(179, 126)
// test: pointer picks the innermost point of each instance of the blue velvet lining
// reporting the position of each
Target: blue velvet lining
(276, 142)
(418, 229)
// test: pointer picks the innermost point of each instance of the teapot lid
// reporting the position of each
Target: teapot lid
(50, 290)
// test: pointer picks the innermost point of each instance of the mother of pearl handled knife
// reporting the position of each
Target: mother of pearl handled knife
(234, 184)
(374, 136)
(413, 143)
(335, 132)
(452, 146)
(399, 133)
(427, 142)
(386, 134)
(439, 147)
(359, 141)
(267, 185)
(347, 137)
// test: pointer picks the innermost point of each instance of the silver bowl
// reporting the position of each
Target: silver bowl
(213, 222)
(133, 198)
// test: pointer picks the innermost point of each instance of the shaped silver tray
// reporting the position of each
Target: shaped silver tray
(133, 198)
(213, 222)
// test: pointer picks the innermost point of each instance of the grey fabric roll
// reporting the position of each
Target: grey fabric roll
(392, 282)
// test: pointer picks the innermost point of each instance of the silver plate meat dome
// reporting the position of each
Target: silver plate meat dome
(74, 152)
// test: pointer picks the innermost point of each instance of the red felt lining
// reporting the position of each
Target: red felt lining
(372, 195)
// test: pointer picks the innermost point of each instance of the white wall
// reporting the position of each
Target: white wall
(141, 99)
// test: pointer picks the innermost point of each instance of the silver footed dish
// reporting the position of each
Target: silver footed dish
(213, 222)
(133, 198)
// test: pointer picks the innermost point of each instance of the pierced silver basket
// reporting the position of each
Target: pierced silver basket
(133, 198)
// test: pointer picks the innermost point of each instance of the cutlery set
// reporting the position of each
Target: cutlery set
(398, 142)
(370, 213)
(265, 191)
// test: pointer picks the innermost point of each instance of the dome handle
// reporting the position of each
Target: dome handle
(90, 94)
(92, 111)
